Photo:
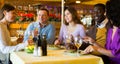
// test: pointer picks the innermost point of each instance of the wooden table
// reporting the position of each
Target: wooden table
(54, 57)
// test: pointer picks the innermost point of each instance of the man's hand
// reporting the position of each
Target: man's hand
(30, 42)
(88, 39)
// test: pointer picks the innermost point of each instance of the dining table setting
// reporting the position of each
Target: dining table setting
(55, 55)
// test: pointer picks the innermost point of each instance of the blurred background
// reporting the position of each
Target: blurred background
(26, 12)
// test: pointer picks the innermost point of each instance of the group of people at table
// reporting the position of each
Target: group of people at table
(103, 34)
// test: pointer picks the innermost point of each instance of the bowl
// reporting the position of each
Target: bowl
(29, 49)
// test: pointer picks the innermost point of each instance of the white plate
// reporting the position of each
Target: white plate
(53, 47)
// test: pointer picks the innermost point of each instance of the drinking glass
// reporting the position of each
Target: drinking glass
(20, 33)
(30, 34)
(78, 43)
(67, 41)
(36, 33)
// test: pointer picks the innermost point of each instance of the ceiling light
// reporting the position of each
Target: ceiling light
(77, 1)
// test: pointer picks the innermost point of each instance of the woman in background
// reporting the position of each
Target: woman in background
(72, 26)
(6, 46)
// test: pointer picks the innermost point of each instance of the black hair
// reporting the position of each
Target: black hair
(100, 5)
(42, 8)
(74, 13)
(6, 7)
(113, 12)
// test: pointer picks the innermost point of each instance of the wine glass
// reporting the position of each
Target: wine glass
(67, 41)
(30, 37)
(36, 33)
(20, 33)
(78, 43)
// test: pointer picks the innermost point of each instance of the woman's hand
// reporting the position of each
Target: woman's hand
(57, 42)
(20, 39)
(90, 49)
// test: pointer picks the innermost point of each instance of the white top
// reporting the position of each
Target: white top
(5, 38)
(103, 23)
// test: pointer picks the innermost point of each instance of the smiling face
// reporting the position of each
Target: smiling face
(68, 16)
(42, 16)
(9, 16)
(98, 13)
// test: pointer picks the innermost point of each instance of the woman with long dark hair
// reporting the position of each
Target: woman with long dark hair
(72, 26)
(6, 46)
(112, 46)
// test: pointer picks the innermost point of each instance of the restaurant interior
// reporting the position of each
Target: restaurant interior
(26, 13)
(83, 7)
